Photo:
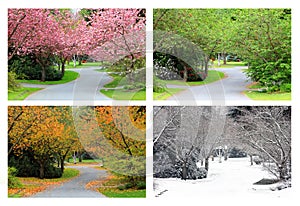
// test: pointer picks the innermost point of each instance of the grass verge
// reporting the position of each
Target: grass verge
(165, 95)
(83, 65)
(123, 94)
(32, 185)
(108, 192)
(257, 92)
(21, 93)
(68, 77)
(115, 186)
(213, 76)
(228, 64)
(256, 95)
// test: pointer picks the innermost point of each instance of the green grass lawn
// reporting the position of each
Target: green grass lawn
(85, 161)
(117, 81)
(123, 193)
(228, 64)
(22, 93)
(68, 77)
(256, 95)
(115, 186)
(83, 65)
(165, 95)
(213, 76)
(122, 94)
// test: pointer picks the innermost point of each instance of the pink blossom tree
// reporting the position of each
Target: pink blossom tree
(47, 33)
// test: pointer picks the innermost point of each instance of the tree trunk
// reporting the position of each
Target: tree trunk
(219, 59)
(62, 164)
(63, 67)
(225, 155)
(74, 158)
(184, 171)
(79, 157)
(74, 61)
(251, 159)
(42, 170)
(206, 166)
(224, 58)
(282, 172)
(43, 77)
(79, 60)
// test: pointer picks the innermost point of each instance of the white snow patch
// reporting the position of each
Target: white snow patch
(232, 177)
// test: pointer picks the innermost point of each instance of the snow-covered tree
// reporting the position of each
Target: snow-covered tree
(268, 131)
(186, 135)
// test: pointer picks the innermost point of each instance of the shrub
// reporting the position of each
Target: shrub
(27, 167)
(13, 85)
(158, 85)
(13, 181)
(129, 185)
(52, 172)
(275, 76)
(26, 67)
(121, 187)
(141, 185)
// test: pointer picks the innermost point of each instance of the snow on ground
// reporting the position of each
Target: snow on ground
(232, 177)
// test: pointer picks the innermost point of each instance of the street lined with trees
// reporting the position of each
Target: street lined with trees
(42, 41)
(187, 139)
(258, 38)
(42, 139)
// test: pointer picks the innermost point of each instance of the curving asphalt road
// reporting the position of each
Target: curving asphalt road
(76, 187)
(227, 89)
(86, 87)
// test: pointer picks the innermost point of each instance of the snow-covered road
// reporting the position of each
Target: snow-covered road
(232, 177)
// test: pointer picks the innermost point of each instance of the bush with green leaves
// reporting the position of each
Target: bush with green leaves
(27, 166)
(275, 76)
(13, 85)
(158, 85)
(26, 67)
(13, 181)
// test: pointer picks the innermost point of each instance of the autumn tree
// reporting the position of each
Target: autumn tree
(116, 135)
(43, 134)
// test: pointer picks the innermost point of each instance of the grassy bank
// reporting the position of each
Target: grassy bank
(68, 77)
(32, 185)
(21, 93)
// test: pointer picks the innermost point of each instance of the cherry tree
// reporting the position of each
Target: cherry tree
(118, 34)
(34, 31)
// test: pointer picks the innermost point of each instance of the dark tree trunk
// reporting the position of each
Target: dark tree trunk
(79, 60)
(251, 159)
(42, 170)
(63, 67)
(225, 155)
(224, 58)
(43, 77)
(79, 157)
(206, 166)
(184, 171)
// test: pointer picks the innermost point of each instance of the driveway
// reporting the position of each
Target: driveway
(77, 186)
(86, 87)
(227, 89)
